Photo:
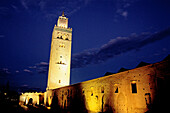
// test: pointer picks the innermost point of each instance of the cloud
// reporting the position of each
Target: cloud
(28, 71)
(32, 67)
(115, 47)
(16, 71)
(42, 64)
(43, 70)
(42, 67)
(125, 14)
(122, 8)
(122, 12)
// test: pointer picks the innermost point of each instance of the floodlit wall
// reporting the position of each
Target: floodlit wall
(132, 91)
(32, 98)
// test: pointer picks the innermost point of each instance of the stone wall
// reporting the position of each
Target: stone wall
(132, 91)
(32, 98)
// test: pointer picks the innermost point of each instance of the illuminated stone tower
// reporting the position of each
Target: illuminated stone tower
(60, 55)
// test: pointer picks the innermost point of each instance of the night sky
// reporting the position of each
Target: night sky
(107, 35)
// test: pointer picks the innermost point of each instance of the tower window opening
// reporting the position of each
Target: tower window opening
(61, 37)
(116, 90)
(62, 45)
(60, 63)
(134, 88)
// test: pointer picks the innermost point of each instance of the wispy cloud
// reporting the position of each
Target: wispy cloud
(122, 8)
(28, 71)
(41, 67)
(125, 14)
(43, 70)
(32, 67)
(42, 64)
(122, 12)
(115, 47)
(16, 71)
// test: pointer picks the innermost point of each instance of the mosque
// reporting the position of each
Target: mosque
(138, 90)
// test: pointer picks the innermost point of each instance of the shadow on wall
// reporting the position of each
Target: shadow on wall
(78, 103)
(162, 97)
(73, 103)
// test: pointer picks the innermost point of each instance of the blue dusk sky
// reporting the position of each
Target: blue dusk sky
(107, 35)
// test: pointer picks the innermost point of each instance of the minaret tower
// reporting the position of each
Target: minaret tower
(60, 55)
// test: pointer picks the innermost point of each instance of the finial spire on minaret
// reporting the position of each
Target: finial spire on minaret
(63, 14)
